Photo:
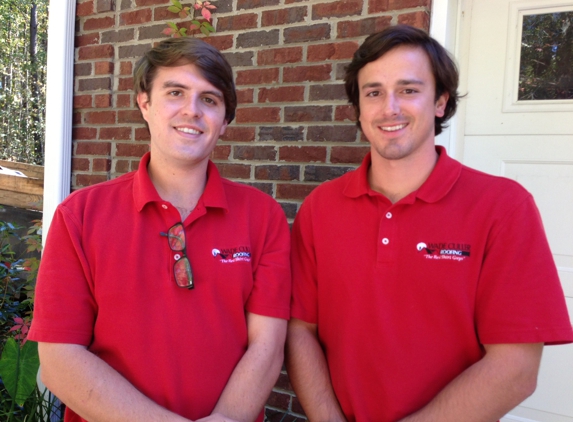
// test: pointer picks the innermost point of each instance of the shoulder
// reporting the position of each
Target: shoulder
(486, 185)
(248, 198)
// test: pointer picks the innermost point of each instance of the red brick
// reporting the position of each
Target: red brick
(84, 9)
(344, 113)
(101, 164)
(134, 164)
(279, 56)
(237, 171)
(404, 4)
(252, 4)
(279, 400)
(223, 42)
(92, 52)
(284, 382)
(245, 95)
(257, 76)
(125, 68)
(418, 19)
(337, 9)
(122, 166)
(104, 68)
(82, 101)
(123, 100)
(305, 154)
(353, 29)
(281, 94)
(129, 116)
(115, 133)
(77, 118)
(125, 84)
(84, 133)
(139, 3)
(239, 134)
(103, 100)
(131, 150)
(142, 134)
(221, 152)
(100, 117)
(375, 6)
(308, 114)
(353, 155)
(237, 22)
(274, 172)
(332, 51)
(87, 39)
(93, 148)
(283, 16)
(294, 191)
(89, 179)
(80, 164)
(99, 23)
(259, 115)
(307, 73)
(244, 152)
(136, 17)
(296, 406)
(307, 33)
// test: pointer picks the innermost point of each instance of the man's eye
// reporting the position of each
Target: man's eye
(209, 100)
(175, 93)
(373, 94)
(410, 91)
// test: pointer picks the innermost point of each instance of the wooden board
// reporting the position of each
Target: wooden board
(22, 192)
(29, 170)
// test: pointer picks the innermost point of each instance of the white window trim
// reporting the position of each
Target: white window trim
(59, 104)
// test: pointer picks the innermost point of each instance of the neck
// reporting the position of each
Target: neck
(396, 179)
(182, 187)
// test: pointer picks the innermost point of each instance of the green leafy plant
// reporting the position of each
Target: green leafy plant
(183, 12)
(20, 398)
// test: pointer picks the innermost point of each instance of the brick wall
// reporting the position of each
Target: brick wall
(294, 128)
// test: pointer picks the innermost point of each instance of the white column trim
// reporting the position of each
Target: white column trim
(59, 101)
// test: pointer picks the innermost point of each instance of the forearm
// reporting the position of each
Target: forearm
(256, 373)
(309, 375)
(93, 389)
(488, 389)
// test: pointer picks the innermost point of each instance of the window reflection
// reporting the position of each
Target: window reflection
(546, 63)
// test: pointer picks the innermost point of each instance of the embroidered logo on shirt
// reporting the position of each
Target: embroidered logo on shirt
(229, 255)
(444, 250)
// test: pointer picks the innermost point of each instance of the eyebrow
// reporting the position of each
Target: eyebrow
(174, 84)
(400, 82)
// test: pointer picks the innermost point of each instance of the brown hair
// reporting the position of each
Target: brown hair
(376, 45)
(176, 51)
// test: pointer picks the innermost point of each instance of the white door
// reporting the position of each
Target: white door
(529, 140)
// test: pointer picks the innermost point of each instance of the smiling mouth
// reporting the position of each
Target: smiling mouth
(188, 130)
(393, 128)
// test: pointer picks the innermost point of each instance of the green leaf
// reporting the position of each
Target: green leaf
(174, 9)
(204, 30)
(209, 26)
(177, 4)
(172, 26)
(18, 369)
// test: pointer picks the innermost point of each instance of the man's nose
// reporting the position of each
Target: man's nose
(391, 105)
(192, 107)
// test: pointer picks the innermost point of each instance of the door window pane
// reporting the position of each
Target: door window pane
(546, 62)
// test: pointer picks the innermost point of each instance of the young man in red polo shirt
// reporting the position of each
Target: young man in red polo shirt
(163, 295)
(422, 290)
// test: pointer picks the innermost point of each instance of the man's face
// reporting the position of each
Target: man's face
(398, 105)
(185, 115)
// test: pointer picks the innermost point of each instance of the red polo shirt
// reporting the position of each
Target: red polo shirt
(106, 281)
(406, 294)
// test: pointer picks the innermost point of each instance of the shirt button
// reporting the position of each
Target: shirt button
(385, 241)
(176, 257)
(388, 215)
(164, 206)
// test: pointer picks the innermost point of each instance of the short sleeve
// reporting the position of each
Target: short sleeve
(304, 303)
(520, 298)
(64, 308)
(272, 277)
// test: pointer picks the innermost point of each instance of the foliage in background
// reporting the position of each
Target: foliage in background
(204, 26)
(546, 57)
(20, 398)
(23, 44)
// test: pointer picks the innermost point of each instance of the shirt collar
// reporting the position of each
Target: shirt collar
(144, 191)
(437, 185)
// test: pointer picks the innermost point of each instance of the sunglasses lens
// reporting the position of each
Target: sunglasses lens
(177, 237)
(183, 275)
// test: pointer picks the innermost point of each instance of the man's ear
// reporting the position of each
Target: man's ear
(143, 102)
(223, 128)
(441, 103)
